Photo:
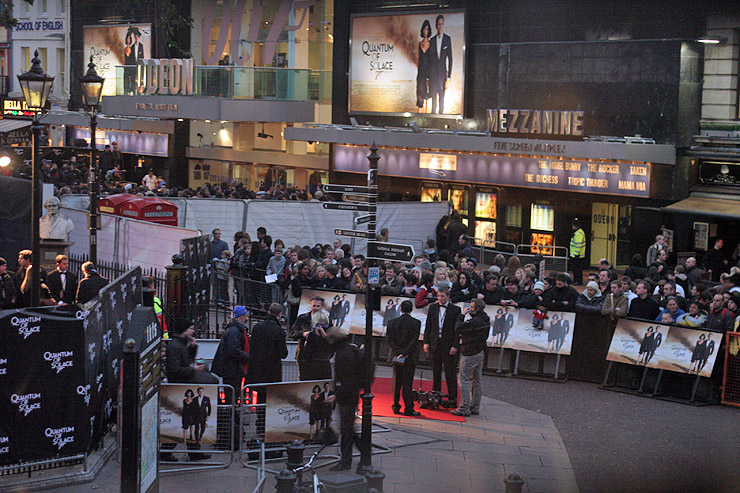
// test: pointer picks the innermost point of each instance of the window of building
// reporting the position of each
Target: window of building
(25, 58)
(26, 9)
(43, 58)
(43, 7)
(61, 75)
(62, 6)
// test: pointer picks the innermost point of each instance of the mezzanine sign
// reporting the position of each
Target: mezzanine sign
(538, 122)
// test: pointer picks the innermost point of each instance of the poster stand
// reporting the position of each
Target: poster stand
(640, 391)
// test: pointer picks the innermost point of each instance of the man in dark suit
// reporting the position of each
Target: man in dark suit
(440, 342)
(267, 349)
(442, 46)
(403, 336)
(91, 284)
(204, 412)
(61, 282)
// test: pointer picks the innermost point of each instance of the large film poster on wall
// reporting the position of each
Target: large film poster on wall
(120, 44)
(408, 63)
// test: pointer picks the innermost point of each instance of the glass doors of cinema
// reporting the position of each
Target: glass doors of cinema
(611, 225)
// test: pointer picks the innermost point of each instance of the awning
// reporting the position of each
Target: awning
(8, 125)
(707, 206)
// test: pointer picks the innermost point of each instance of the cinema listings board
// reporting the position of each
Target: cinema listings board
(511, 328)
(664, 347)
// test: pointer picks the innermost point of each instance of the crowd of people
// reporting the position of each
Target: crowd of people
(58, 287)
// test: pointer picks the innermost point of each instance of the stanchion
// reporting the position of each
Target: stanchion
(514, 483)
(285, 481)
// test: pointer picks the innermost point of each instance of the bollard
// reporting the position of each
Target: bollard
(375, 479)
(514, 483)
(285, 481)
(295, 454)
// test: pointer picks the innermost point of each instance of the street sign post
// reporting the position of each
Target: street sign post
(352, 197)
(353, 233)
(390, 251)
(364, 219)
(342, 206)
(329, 188)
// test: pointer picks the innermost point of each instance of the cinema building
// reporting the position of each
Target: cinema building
(550, 114)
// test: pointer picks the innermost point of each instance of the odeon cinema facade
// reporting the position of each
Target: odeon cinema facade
(547, 114)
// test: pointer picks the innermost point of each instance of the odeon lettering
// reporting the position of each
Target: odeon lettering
(166, 76)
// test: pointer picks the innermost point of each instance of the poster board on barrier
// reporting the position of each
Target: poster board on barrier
(556, 335)
(187, 414)
(297, 410)
(664, 347)
(340, 307)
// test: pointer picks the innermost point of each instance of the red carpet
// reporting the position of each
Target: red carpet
(383, 392)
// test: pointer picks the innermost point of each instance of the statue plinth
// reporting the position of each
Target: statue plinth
(50, 249)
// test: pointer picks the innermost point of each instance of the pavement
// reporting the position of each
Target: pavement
(425, 456)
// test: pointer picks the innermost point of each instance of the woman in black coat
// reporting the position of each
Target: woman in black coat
(189, 414)
(316, 409)
(463, 289)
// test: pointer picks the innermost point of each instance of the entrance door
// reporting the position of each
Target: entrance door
(604, 232)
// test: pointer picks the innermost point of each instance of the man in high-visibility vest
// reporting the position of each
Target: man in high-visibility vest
(577, 252)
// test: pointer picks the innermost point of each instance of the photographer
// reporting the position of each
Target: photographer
(473, 334)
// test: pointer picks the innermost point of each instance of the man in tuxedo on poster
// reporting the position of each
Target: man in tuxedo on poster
(204, 412)
(442, 48)
(440, 342)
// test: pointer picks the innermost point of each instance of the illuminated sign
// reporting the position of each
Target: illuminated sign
(539, 122)
(15, 107)
(444, 162)
(627, 179)
(165, 76)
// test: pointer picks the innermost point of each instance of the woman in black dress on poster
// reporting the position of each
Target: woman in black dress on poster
(189, 415)
(647, 343)
(315, 410)
(499, 328)
(426, 64)
(698, 354)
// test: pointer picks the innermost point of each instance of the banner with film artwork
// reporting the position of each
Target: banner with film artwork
(297, 410)
(664, 347)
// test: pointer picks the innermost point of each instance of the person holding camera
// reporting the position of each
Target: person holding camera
(403, 336)
(181, 366)
(472, 334)
(440, 342)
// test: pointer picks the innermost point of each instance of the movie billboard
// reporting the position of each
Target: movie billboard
(408, 63)
(187, 415)
(121, 44)
(535, 331)
(338, 307)
(636, 343)
(297, 410)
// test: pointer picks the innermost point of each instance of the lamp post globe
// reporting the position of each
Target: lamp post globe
(36, 86)
(91, 85)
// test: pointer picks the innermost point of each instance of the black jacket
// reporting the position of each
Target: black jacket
(493, 297)
(7, 291)
(230, 355)
(474, 333)
(403, 337)
(436, 343)
(90, 287)
(647, 309)
(267, 348)
(463, 293)
(54, 282)
(349, 367)
(179, 363)
(555, 298)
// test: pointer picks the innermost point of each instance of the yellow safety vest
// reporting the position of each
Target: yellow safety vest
(578, 244)
(160, 317)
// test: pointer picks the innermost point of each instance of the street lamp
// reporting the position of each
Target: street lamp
(92, 90)
(36, 86)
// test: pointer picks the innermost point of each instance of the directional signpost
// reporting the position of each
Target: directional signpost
(353, 233)
(368, 196)
(390, 251)
(343, 206)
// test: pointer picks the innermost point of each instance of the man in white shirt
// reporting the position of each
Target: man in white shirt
(150, 180)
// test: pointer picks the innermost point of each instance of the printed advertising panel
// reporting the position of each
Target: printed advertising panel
(408, 63)
(122, 44)
(664, 347)
(297, 410)
(339, 307)
(187, 415)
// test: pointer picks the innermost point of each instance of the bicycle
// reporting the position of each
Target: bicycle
(314, 484)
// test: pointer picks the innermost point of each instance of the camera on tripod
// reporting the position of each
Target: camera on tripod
(431, 399)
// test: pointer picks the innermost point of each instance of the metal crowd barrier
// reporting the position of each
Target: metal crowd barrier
(549, 254)
(731, 376)
(225, 443)
(487, 254)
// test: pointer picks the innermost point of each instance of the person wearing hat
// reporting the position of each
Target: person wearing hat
(577, 252)
(90, 285)
(232, 356)
(7, 287)
(180, 365)
(590, 300)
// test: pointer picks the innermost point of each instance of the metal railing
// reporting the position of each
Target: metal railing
(112, 270)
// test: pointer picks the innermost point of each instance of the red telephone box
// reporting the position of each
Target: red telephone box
(112, 203)
(150, 209)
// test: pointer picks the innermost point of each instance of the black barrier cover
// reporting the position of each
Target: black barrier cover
(42, 360)
(195, 254)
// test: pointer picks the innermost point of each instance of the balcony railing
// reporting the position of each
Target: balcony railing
(267, 83)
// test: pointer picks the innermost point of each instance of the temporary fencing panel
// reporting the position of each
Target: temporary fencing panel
(731, 386)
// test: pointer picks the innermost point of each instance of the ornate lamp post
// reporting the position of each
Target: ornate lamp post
(36, 86)
(92, 91)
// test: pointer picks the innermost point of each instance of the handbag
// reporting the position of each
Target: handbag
(399, 360)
